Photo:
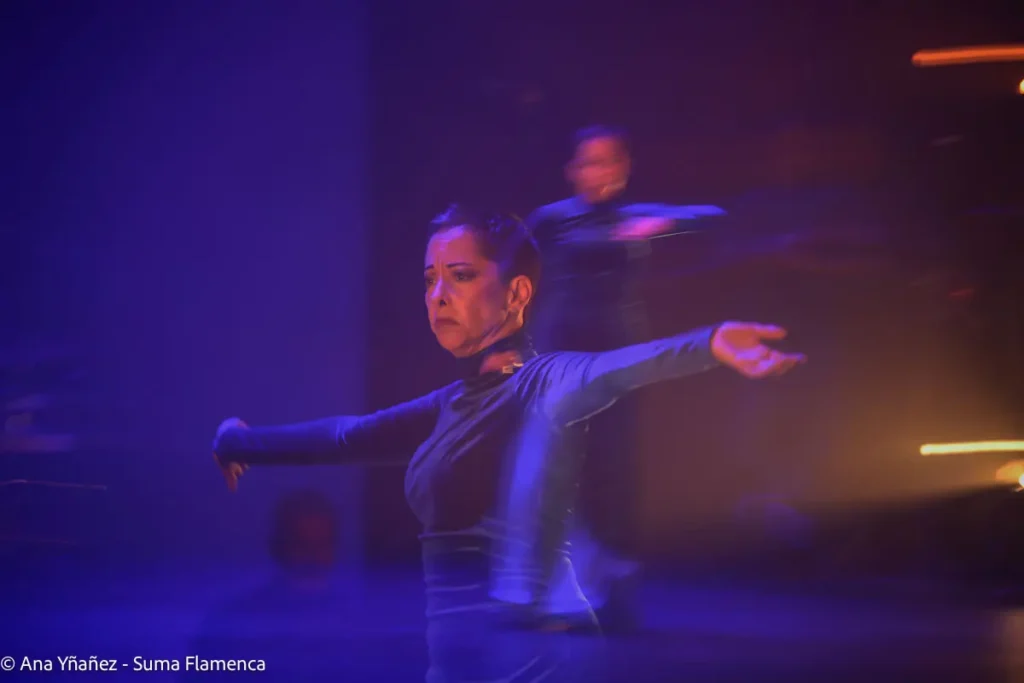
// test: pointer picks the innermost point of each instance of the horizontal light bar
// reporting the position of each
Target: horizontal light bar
(972, 447)
(971, 54)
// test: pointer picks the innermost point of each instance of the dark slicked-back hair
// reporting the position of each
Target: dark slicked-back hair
(598, 131)
(503, 239)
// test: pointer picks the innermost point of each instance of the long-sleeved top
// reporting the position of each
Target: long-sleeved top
(458, 436)
(589, 297)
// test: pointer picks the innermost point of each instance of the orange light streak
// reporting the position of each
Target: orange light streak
(970, 54)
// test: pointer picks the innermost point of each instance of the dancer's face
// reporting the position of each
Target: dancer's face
(469, 304)
(600, 169)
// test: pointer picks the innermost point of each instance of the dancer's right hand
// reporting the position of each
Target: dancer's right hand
(231, 470)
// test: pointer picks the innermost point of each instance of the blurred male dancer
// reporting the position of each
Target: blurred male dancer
(592, 247)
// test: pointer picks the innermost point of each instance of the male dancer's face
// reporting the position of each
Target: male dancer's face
(599, 170)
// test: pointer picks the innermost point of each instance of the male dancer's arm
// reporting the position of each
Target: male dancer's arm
(646, 221)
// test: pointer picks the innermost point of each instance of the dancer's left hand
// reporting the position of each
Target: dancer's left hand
(742, 347)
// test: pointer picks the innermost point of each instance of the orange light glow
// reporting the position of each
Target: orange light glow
(1020, 87)
(972, 54)
(1011, 473)
(965, 447)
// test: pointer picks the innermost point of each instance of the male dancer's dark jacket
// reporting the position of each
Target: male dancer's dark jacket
(589, 298)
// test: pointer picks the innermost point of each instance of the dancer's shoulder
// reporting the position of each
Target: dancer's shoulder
(554, 212)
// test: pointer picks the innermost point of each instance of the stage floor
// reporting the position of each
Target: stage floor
(370, 627)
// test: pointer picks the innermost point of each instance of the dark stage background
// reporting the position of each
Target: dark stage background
(185, 225)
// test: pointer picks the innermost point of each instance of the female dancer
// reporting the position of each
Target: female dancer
(479, 278)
